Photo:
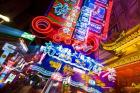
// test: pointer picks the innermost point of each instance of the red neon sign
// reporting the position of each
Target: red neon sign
(59, 26)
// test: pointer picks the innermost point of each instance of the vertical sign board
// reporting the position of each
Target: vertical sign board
(92, 25)
(7, 48)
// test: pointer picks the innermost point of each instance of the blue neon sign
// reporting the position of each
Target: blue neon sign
(61, 9)
(7, 48)
(82, 24)
(66, 55)
(94, 27)
(103, 1)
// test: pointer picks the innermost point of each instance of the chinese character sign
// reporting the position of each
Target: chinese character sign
(79, 23)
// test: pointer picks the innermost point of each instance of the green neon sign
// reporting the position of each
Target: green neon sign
(28, 36)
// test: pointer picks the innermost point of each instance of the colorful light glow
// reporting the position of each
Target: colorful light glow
(104, 24)
(78, 70)
(7, 68)
(104, 35)
(85, 34)
(23, 44)
(28, 36)
(21, 64)
(95, 27)
(55, 65)
(75, 63)
(56, 76)
(61, 9)
(41, 70)
(68, 21)
(111, 74)
(7, 48)
(83, 86)
(82, 24)
(71, 22)
(66, 80)
(66, 55)
(99, 20)
(98, 13)
(10, 78)
(92, 82)
(102, 1)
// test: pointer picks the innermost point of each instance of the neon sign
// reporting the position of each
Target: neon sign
(98, 12)
(6, 69)
(83, 86)
(8, 48)
(102, 1)
(75, 68)
(73, 24)
(76, 59)
(111, 74)
(71, 20)
(10, 78)
(100, 18)
(82, 24)
(71, 1)
(55, 65)
(41, 70)
(56, 76)
(94, 27)
(61, 9)
(28, 36)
